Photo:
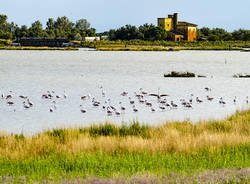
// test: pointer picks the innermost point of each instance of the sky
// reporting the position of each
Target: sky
(112, 14)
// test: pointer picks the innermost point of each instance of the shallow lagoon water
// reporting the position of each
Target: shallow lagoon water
(83, 72)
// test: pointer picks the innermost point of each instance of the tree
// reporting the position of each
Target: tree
(36, 30)
(5, 28)
(241, 34)
(78, 37)
(156, 33)
(50, 24)
(82, 24)
(205, 31)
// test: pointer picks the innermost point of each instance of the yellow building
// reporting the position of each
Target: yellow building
(165, 23)
(178, 30)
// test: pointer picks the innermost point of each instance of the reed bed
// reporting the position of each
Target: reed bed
(174, 137)
(109, 151)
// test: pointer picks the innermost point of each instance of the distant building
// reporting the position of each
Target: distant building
(43, 42)
(178, 31)
(15, 44)
(67, 45)
(91, 39)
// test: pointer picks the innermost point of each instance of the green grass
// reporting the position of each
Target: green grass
(140, 45)
(106, 165)
(111, 151)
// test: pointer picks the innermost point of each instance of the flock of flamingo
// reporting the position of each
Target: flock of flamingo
(154, 102)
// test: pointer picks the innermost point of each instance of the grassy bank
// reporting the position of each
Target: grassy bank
(157, 48)
(140, 45)
(37, 48)
(109, 151)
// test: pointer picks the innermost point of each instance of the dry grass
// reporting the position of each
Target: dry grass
(175, 137)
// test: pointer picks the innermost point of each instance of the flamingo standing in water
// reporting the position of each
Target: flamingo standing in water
(10, 103)
(109, 112)
(9, 97)
(64, 95)
(209, 98)
(83, 111)
(173, 104)
(30, 103)
(198, 100)
(222, 101)
(234, 100)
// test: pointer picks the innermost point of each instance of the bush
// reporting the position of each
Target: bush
(180, 74)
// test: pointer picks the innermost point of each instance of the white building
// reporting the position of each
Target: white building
(91, 39)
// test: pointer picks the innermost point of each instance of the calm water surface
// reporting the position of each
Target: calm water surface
(82, 72)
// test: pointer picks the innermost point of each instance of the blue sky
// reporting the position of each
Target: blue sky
(106, 14)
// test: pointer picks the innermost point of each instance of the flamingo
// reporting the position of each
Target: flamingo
(25, 105)
(131, 101)
(174, 105)
(10, 103)
(198, 100)
(158, 95)
(124, 93)
(117, 113)
(9, 96)
(162, 108)
(113, 108)
(141, 101)
(188, 105)
(30, 103)
(103, 93)
(234, 100)
(83, 97)
(109, 112)
(149, 104)
(222, 101)
(64, 95)
(83, 111)
(23, 97)
(207, 89)
(135, 109)
(191, 98)
(209, 98)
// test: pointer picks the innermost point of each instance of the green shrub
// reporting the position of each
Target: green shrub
(179, 74)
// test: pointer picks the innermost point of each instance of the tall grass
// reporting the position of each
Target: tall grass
(123, 151)
(174, 137)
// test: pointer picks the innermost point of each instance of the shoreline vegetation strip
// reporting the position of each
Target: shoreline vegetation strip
(40, 48)
(108, 150)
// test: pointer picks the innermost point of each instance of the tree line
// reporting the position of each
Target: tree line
(150, 32)
(62, 27)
